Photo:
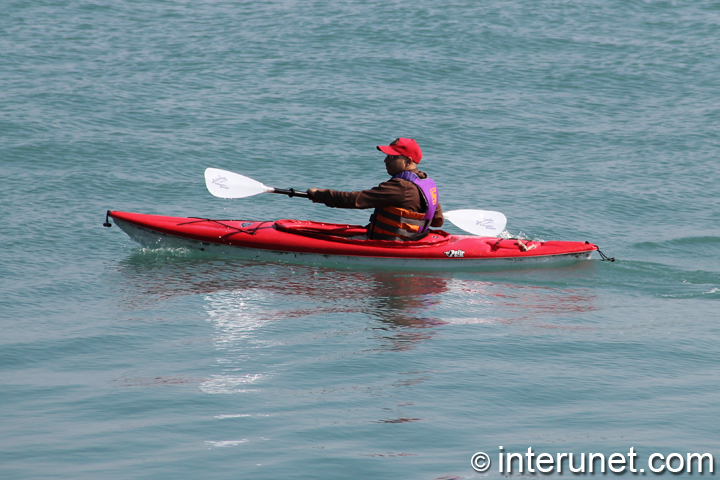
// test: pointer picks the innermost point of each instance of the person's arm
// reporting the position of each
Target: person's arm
(392, 193)
(387, 194)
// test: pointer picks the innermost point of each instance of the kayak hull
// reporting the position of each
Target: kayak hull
(295, 241)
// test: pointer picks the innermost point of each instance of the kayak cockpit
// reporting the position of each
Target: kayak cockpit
(355, 234)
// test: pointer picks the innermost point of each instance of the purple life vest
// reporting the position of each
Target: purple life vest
(429, 191)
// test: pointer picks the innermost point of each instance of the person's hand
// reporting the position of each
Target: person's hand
(311, 192)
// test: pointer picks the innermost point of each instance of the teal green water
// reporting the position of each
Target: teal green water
(594, 120)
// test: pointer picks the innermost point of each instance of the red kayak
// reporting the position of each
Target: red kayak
(300, 241)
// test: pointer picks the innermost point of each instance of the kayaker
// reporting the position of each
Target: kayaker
(406, 206)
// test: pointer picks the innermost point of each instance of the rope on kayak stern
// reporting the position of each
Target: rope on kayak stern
(602, 255)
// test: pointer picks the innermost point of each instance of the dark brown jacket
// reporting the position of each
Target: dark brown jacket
(395, 192)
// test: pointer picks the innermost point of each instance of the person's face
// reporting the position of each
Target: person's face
(395, 164)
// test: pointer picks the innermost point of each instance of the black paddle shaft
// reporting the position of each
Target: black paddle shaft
(291, 193)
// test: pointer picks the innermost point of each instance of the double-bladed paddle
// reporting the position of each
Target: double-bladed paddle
(224, 184)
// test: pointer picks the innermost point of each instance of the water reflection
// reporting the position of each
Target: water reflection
(516, 304)
(262, 293)
(406, 308)
(290, 336)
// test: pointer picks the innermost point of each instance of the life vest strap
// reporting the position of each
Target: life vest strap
(401, 232)
(401, 221)
(406, 214)
(392, 224)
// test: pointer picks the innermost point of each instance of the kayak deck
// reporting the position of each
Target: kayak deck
(318, 242)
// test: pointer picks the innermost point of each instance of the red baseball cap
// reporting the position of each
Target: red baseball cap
(407, 147)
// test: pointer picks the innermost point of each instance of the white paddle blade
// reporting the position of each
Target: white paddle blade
(224, 184)
(478, 222)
